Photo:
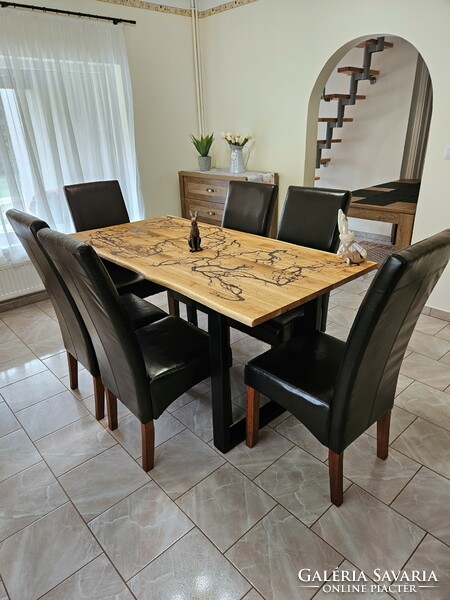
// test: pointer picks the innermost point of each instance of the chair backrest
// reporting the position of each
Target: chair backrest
(309, 217)
(119, 356)
(96, 204)
(365, 386)
(74, 332)
(249, 207)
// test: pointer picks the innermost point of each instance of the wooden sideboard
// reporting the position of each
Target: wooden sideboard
(205, 191)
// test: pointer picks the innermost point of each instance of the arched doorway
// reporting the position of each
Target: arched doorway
(369, 138)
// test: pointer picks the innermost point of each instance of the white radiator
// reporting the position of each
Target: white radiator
(18, 279)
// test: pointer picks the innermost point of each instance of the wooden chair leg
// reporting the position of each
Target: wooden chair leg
(99, 397)
(73, 371)
(174, 305)
(252, 416)
(111, 402)
(148, 445)
(335, 470)
(383, 426)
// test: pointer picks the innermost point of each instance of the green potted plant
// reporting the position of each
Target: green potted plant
(203, 145)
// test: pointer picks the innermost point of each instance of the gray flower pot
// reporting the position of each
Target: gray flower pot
(204, 163)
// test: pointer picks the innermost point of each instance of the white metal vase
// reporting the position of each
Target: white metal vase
(236, 159)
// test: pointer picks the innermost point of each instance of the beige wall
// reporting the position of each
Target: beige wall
(159, 50)
(262, 62)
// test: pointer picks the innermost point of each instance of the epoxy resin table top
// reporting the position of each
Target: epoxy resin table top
(245, 277)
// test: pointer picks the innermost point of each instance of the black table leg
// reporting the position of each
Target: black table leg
(226, 433)
(219, 349)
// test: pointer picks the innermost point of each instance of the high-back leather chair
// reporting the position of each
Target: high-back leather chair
(249, 207)
(148, 368)
(98, 204)
(76, 338)
(339, 389)
(309, 218)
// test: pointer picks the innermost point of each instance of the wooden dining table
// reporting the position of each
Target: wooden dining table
(241, 276)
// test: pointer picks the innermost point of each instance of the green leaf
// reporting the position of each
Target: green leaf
(203, 143)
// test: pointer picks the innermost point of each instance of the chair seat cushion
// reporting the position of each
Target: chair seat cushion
(176, 356)
(139, 311)
(300, 375)
(129, 282)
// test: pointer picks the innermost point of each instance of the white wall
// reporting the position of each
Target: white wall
(159, 50)
(261, 65)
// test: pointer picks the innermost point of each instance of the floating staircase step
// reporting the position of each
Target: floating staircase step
(331, 119)
(372, 42)
(325, 161)
(350, 70)
(341, 97)
(332, 141)
(316, 178)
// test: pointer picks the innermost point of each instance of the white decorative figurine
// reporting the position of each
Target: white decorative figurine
(351, 251)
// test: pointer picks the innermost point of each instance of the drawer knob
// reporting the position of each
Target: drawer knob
(210, 212)
(210, 190)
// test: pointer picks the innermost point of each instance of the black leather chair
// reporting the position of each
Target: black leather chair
(74, 333)
(100, 204)
(339, 389)
(309, 219)
(148, 368)
(248, 208)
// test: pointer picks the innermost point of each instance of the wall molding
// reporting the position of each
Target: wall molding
(182, 12)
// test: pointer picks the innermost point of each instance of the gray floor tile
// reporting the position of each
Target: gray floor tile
(8, 422)
(16, 454)
(49, 415)
(428, 371)
(101, 482)
(425, 500)
(128, 434)
(31, 390)
(20, 368)
(28, 496)
(96, 581)
(182, 462)
(431, 555)
(300, 483)
(31, 566)
(384, 479)
(362, 594)
(139, 528)
(369, 533)
(74, 444)
(270, 556)
(400, 420)
(428, 444)
(253, 461)
(426, 402)
(226, 496)
(14, 349)
(192, 568)
(197, 416)
(301, 436)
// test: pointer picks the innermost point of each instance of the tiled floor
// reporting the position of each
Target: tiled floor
(79, 519)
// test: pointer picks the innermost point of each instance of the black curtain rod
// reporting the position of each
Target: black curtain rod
(66, 12)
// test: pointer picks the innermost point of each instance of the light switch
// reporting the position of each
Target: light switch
(447, 154)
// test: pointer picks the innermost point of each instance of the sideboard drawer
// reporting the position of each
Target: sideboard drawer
(214, 189)
(208, 212)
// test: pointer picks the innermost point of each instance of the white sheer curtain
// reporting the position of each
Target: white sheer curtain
(66, 116)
